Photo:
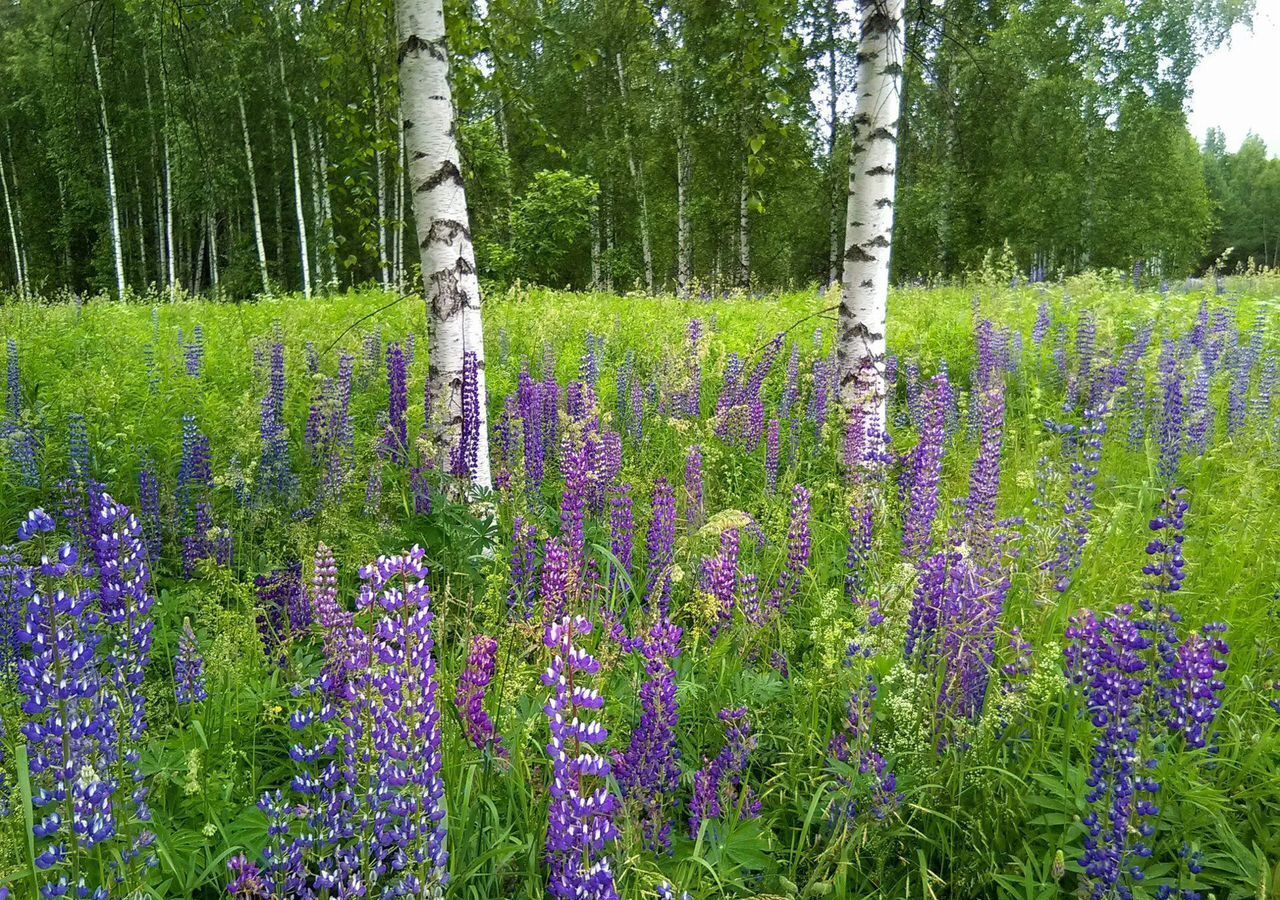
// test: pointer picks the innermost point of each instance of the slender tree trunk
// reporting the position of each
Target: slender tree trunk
(637, 177)
(744, 226)
(684, 227)
(451, 289)
(326, 206)
(383, 268)
(20, 274)
(197, 261)
(608, 247)
(168, 172)
(596, 273)
(253, 196)
(277, 195)
(141, 229)
(113, 200)
(212, 227)
(833, 139)
(398, 244)
(303, 252)
(869, 221)
(317, 208)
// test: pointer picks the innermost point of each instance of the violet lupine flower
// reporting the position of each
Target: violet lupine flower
(636, 419)
(373, 356)
(523, 595)
(864, 772)
(1171, 429)
(80, 468)
(194, 484)
(400, 688)
(1084, 444)
(720, 576)
(820, 396)
(1086, 346)
(560, 577)
(466, 455)
(622, 528)
(373, 493)
(1044, 319)
(580, 818)
(720, 788)
(188, 668)
(473, 685)
(772, 450)
(344, 646)
(858, 562)
(1237, 396)
(504, 440)
(276, 478)
(693, 399)
(984, 477)
(951, 631)
(1167, 564)
(194, 352)
(1106, 659)
(1201, 413)
(589, 371)
(693, 487)
(791, 389)
(284, 606)
(799, 545)
(529, 399)
(1191, 686)
(16, 587)
(926, 470)
(13, 387)
(648, 772)
(661, 547)
(396, 440)
(1260, 403)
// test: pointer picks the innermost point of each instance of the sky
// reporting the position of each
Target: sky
(1237, 88)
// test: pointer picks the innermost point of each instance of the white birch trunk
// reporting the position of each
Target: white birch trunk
(162, 254)
(142, 229)
(383, 268)
(744, 227)
(9, 201)
(168, 174)
(398, 243)
(451, 289)
(684, 228)
(833, 138)
(253, 196)
(637, 177)
(317, 208)
(326, 209)
(212, 227)
(869, 225)
(113, 200)
(303, 252)
(595, 249)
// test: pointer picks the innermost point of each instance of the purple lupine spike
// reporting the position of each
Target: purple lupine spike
(791, 389)
(648, 772)
(194, 482)
(560, 581)
(660, 545)
(799, 545)
(720, 576)
(818, 399)
(1171, 430)
(284, 608)
(194, 353)
(858, 562)
(693, 399)
(523, 595)
(694, 512)
(529, 399)
(772, 450)
(1166, 562)
(854, 748)
(1083, 446)
(926, 470)
(984, 478)
(577, 469)
(396, 440)
(1237, 396)
(13, 386)
(589, 370)
(720, 788)
(188, 668)
(1201, 413)
(1044, 319)
(276, 477)
(580, 819)
(473, 685)
(466, 455)
(1191, 685)
(621, 532)
(504, 442)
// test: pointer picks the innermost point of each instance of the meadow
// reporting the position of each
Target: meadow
(707, 634)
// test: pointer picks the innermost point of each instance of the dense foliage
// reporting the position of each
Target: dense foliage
(1054, 126)
(706, 635)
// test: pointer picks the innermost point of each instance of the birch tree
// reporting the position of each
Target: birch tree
(9, 201)
(451, 289)
(869, 222)
(259, 243)
(637, 177)
(300, 212)
(113, 199)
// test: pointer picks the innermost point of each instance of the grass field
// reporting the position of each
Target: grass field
(956, 709)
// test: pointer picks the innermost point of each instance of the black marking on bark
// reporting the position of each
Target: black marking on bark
(867, 283)
(881, 170)
(857, 224)
(878, 241)
(445, 231)
(883, 202)
(415, 45)
(448, 171)
(855, 253)
(893, 69)
(438, 97)
(883, 134)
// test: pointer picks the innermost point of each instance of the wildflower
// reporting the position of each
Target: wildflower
(473, 684)
(188, 668)
(720, 787)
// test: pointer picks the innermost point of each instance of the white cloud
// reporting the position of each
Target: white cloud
(1236, 87)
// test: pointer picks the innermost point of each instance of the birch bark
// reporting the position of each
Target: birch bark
(451, 289)
(303, 253)
(253, 196)
(113, 200)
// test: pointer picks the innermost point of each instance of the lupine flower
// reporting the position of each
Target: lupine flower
(864, 772)
(284, 606)
(1191, 686)
(791, 389)
(720, 576)
(80, 467)
(799, 544)
(693, 487)
(1170, 431)
(396, 440)
(473, 684)
(560, 578)
(149, 511)
(693, 400)
(580, 819)
(926, 470)
(621, 531)
(1044, 319)
(276, 478)
(720, 788)
(194, 353)
(771, 454)
(188, 668)
(523, 595)
(661, 546)
(1200, 413)
(649, 771)
(194, 482)
(984, 477)
(466, 454)
(529, 399)
(13, 391)
(858, 563)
